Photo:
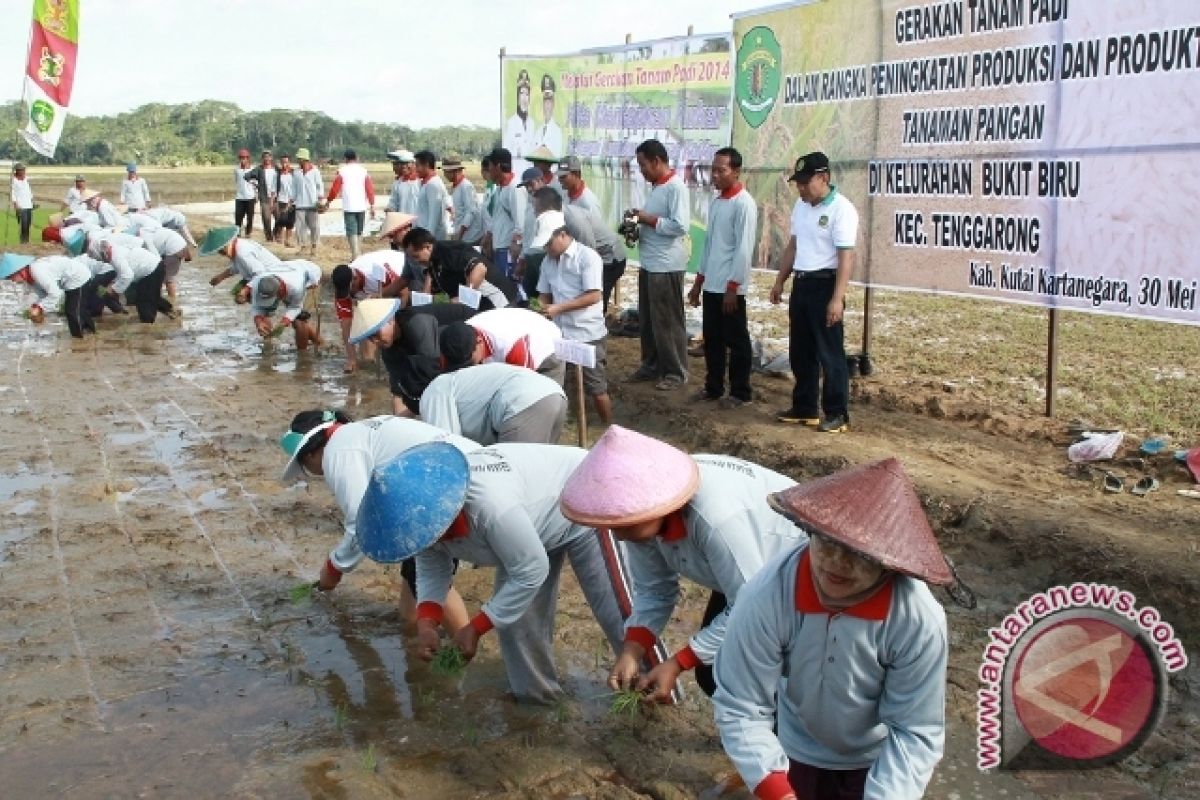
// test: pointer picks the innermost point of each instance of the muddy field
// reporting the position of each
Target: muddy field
(150, 645)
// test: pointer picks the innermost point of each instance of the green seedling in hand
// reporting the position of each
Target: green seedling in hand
(277, 331)
(449, 662)
(625, 703)
(441, 297)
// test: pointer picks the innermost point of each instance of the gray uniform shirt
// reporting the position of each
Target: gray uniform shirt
(731, 533)
(513, 519)
(661, 246)
(476, 401)
(846, 691)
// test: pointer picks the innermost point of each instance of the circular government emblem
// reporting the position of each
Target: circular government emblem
(41, 114)
(1087, 688)
(759, 75)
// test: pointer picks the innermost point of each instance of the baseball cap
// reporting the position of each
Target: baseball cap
(402, 156)
(547, 223)
(350, 155)
(570, 164)
(531, 174)
(79, 178)
(268, 290)
(809, 165)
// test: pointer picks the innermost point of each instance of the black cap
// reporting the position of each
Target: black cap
(457, 343)
(350, 155)
(547, 86)
(341, 276)
(809, 165)
(523, 79)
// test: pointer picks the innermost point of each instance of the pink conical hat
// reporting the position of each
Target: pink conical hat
(628, 478)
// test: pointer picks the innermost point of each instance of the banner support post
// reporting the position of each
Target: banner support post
(1051, 359)
(866, 335)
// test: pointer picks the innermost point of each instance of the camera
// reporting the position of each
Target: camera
(629, 227)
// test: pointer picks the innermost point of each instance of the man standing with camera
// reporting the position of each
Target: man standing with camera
(820, 255)
(663, 226)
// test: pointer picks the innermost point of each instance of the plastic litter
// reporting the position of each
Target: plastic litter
(1095, 447)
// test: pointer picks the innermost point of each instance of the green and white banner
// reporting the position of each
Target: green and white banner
(1032, 151)
(49, 72)
(601, 104)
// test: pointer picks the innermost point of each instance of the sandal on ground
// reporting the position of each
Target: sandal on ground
(1144, 486)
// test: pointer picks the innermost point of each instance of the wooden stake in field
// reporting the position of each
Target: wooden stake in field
(581, 354)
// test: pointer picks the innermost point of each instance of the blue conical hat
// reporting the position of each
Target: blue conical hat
(411, 501)
(12, 263)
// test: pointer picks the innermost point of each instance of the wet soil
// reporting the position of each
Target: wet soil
(149, 645)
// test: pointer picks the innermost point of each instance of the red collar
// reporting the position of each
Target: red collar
(673, 528)
(425, 180)
(875, 608)
(665, 178)
(309, 168)
(506, 180)
(577, 195)
(459, 179)
(732, 192)
(233, 248)
(459, 528)
(331, 430)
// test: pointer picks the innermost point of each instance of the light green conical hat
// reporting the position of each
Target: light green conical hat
(217, 238)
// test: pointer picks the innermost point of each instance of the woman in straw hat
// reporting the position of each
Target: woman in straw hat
(704, 518)
(831, 680)
(328, 444)
(498, 507)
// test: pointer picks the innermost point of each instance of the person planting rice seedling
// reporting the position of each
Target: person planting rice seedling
(328, 444)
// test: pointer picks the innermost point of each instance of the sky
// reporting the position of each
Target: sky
(351, 59)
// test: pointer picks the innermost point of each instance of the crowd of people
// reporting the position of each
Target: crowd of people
(822, 647)
(113, 257)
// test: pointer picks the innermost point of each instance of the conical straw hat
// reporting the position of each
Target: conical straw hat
(873, 510)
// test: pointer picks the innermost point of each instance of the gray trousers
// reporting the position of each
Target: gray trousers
(527, 645)
(662, 324)
(541, 423)
(308, 224)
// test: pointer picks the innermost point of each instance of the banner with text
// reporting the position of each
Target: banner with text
(49, 72)
(1033, 151)
(600, 105)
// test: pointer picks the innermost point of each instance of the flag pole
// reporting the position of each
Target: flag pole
(17, 137)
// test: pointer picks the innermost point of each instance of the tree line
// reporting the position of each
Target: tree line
(212, 131)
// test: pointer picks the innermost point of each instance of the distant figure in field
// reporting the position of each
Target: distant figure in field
(135, 192)
(244, 194)
(354, 185)
(22, 200)
(308, 187)
(265, 180)
(75, 193)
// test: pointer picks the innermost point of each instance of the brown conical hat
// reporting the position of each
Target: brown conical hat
(873, 510)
